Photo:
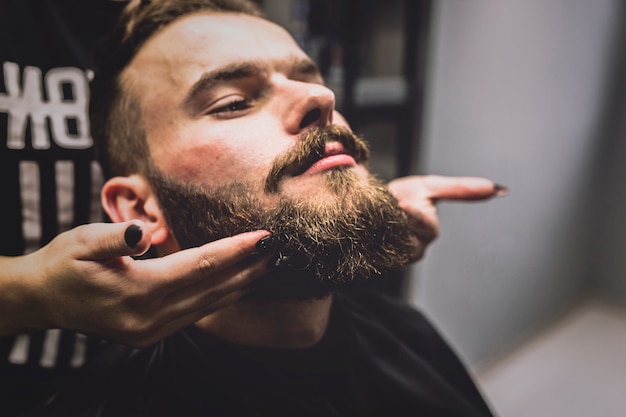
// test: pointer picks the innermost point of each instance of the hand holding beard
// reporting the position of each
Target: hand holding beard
(354, 234)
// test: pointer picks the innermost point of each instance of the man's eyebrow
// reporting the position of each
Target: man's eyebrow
(237, 71)
(306, 67)
(210, 79)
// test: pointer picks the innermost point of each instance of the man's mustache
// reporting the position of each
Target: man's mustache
(309, 149)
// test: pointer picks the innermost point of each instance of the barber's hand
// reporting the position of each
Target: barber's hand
(86, 280)
(418, 195)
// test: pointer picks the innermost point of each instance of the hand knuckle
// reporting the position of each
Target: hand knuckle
(138, 332)
(207, 267)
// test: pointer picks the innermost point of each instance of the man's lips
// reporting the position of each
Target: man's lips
(334, 156)
(329, 162)
(318, 149)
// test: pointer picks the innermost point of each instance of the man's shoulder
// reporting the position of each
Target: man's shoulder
(402, 335)
(397, 318)
(387, 319)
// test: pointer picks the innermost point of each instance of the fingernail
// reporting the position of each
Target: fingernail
(500, 190)
(268, 243)
(293, 261)
(132, 235)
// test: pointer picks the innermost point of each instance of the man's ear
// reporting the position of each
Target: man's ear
(128, 198)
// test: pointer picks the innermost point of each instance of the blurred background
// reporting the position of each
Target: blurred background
(529, 289)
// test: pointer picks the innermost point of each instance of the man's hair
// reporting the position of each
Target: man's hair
(115, 116)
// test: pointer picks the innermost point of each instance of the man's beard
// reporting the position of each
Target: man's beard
(353, 236)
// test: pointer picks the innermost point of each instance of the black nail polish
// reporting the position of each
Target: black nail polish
(132, 235)
(295, 261)
(268, 243)
(500, 190)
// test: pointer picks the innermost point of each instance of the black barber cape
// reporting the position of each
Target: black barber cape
(378, 358)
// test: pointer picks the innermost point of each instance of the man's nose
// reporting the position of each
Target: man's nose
(308, 105)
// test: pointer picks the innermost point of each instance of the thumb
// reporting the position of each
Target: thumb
(110, 240)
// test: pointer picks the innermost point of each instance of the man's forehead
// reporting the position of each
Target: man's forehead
(205, 41)
(220, 34)
(170, 65)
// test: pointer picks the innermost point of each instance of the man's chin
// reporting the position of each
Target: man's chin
(285, 284)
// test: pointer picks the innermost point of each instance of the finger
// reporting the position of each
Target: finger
(184, 268)
(109, 240)
(206, 293)
(462, 188)
(425, 223)
(189, 305)
(171, 326)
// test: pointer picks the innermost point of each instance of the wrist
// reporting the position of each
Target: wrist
(20, 286)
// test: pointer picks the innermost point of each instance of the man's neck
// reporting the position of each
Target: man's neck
(293, 324)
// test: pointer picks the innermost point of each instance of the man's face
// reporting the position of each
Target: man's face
(239, 127)
(223, 94)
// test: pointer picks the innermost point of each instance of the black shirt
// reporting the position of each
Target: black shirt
(378, 357)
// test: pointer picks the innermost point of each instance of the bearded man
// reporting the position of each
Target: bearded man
(211, 121)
